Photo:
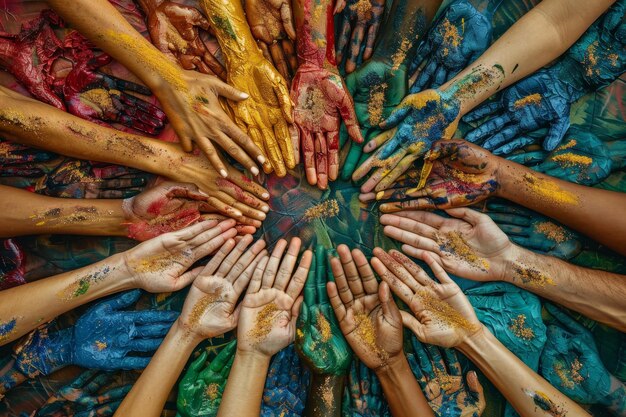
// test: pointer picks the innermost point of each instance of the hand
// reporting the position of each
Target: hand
(513, 316)
(102, 338)
(456, 173)
(542, 99)
(457, 39)
(174, 29)
(271, 23)
(377, 88)
(583, 159)
(237, 196)
(570, 361)
(418, 121)
(264, 116)
(367, 314)
(322, 101)
(535, 232)
(200, 391)
(363, 396)
(166, 208)
(159, 264)
(75, 178)
(319, 340)
(85, 396)
(360, 21)
(442, 382)
(469, 244)
(267, 322)
(21, 161)
(12, 264)
(30, 56)
(210, 308)
(286, 386)
(442, 315)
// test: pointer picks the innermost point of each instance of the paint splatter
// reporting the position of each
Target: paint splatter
(552, 231)
(7, 329)
(328, 208)
(568, 160)
(366, 332)
(520, 329)
(324, 327)
(264, 322)
(533, 99)
(375, 104)
(531, 276)
(454, 244)
(542, 401)
(549, 190)
(569, 375)
(81, 285)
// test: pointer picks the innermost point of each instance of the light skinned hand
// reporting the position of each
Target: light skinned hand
(361, 305)
(267, 321)
(210, 308)
(468, 244)
(442, 314)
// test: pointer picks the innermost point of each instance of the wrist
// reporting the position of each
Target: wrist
(252, 358)
(510, 263)
(508, 174)
(184, 335)
(395, 369)
(476, 344)
(43, 351)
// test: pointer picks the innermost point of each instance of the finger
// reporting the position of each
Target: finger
(287, 265)
(335, 301)
(285, 15)
(412, 239)
(299, 278)
(228, 91)
(321, 160)
(397, 286)
(341, 284)
(272, 266)
(556, 132)
(245, 261)
(481, 112)
(504, 136)
(257, 277)
(280, 62)
(333, 155)
(232, 255)
(437, 269)
(488, 128)
(422, 223)
(216, 260)
(210, 233)
(214, 244)
(368, 279)
(389, 307)
(241, 147)
(342, 42)
(410, 322)
(417, 204)
(355, 47)
(194, 230)
(371, 38)
(308, 150)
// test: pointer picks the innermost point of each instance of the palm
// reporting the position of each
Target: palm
(264, 18)
(208, 308)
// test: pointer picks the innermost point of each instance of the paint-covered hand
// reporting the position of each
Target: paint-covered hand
(22, 161)
(12, 264)
(211, 308)
(322, 101)
(75, 178)
(570, 361)
(360, 20)
(30, 55)
(467, 244)
(459, 36)
(534, 231)
(174, 29)
(267, 114)
(267, 321)
(455, 173)
(418, 121)
(377, 88)
(92, 393)
(271, 23)
(160, 264)
(541, 100)
(319, 340)
(105, 337)
(363, 396)
(165, 208)
(201, 388)
(368, 316)
(286, 386)
(439, 374)
(441, 313)
(582, 159)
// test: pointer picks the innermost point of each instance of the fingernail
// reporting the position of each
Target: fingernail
(262, 216)
(254, 170)
(266, 209)
(223, 173)
(203, 193)
(244, 95)
(380, 195)
(265, 195)
(261, 159)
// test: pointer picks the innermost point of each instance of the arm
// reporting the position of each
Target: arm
(189, 99)
(150, 266)
(209, 311)
(362, 308)
(267, 323)
(490, 256)
(446, 318)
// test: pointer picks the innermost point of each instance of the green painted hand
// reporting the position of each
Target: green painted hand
(318, 338)
(200, 391)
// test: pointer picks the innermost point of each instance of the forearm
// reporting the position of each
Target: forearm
(540, 36)
(325, 394)
(315, 32)
(102, 24)
(232, 31)
(26, 213)
(149, 394)
(25, 307)
(591, 211)
(525, 390)
(596, 294)
(244, 389)
(402, 391)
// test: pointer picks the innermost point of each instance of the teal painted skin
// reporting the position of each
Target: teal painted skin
(439, 374)
(286, 385)
(363, 395)
(596, 158)
(324, 357)
(102, 338)
(594, 61)
(571, 362)
(93, 393)
(525, 228)
(201, 388)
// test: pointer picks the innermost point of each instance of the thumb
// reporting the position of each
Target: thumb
(409, 321)
(389, 306)
(229, 91)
